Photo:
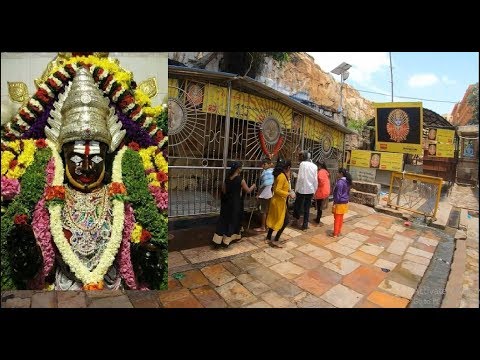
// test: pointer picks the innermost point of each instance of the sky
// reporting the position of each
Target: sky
(420, 75)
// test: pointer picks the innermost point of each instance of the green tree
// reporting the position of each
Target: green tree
(473, 102)
(356, 124)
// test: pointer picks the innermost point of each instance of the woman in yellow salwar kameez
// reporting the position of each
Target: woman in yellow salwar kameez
(277, 218)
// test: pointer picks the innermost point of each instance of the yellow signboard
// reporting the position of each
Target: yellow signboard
(398, 127)
(377, 160)
(391, 161)
(215, 100)
(445, 150)
(360, 158)
(173, 88)
(445, 136)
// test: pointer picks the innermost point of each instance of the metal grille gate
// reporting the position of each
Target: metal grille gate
(211, 125)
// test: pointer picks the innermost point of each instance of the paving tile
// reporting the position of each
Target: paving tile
(245, 278)
(206, 253)
(364, 226)
(427, 241)
(287, 269)
(256, 287)
(390, 257)
(398, 247)
(306, 262)
(259, 305)
(280, 254)
(357, 236)
(341, 296)
(103, 294)
(232, 268)
(217, 274)
(365, 304)
(208, 297)
(414, 268)
(322, 240)
(175, 259)
(311, 301)
(341, 249)
(363, 257)
(179, 299)
(277, 301)
(371, 249)
(364, 279)
(398, 228)
(386, 300)
(404, 277)
(235, 294)
(379, 240)
(17, 303)
(265, 259)
(45, 299)
(417, 259)
(317, 281)
(245, 263)
(418, 252)
(364, 232)
(71, 299)
(424, 247)
(264, 274)
(397, 289)
(316, 252)
(341, 265)
(286, 289)
(117, 302)
(382, 263)
(410, 233)
(173, 283)
(193, 278)
(350, 243)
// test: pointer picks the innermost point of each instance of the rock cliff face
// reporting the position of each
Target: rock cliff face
(301, 74)
(462, 112)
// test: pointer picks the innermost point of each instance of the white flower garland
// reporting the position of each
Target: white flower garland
(109, 253)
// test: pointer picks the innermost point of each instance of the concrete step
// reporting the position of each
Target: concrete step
(443, 214)
(364, 198)
(366, 187)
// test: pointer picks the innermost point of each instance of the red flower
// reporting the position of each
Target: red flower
(134, 146)
(161, 176)
(55, 192)
(13, 163)
(20, 219)
(41, 143)
(145, 236)
(159, 136)
(116, 188)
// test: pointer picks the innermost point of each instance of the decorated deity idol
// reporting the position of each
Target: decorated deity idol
(84, 184)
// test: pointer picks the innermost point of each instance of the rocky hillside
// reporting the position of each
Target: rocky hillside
(301, 74)
(462, 112)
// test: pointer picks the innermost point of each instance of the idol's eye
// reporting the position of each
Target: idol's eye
(97, 159)
(76, 159)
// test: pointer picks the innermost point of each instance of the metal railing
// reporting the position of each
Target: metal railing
(416, 193)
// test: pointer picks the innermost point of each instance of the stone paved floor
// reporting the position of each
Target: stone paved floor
(465, 197)
(377, 263)
(470, 292)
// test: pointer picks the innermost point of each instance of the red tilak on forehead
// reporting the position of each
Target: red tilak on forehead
(87, 148)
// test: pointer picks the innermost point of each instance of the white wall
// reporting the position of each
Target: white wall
(26, 67)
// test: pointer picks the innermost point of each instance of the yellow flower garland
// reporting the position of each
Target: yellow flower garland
(25, 158)
(136, 233)
(161, 163)
(108, 255)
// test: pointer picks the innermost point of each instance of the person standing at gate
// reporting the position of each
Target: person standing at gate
(341, 197)
(323, 190)
(277, 218)
(265, 191)
(307, 183)
(231, 211)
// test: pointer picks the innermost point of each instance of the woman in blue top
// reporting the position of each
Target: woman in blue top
(265, 192)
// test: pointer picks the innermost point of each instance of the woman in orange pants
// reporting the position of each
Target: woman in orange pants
(341, 196)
